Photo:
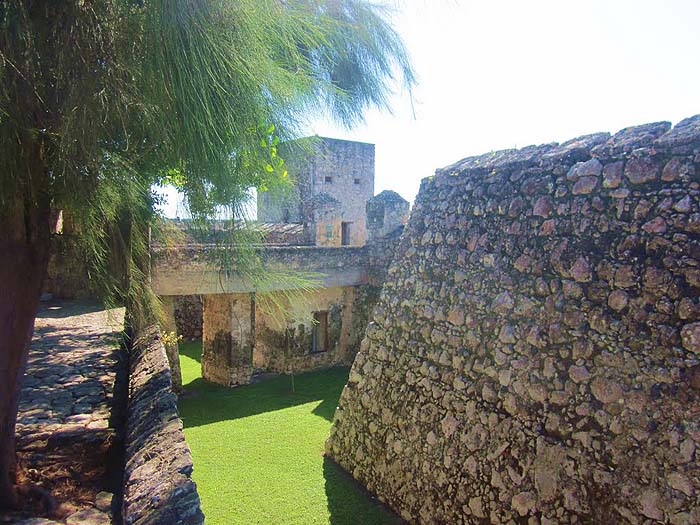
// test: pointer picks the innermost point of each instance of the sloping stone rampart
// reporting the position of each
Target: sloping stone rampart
(158, 489)
(534, 356)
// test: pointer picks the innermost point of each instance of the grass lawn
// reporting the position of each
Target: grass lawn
(258, 450)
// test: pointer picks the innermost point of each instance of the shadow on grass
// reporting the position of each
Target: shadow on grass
(204, 402)
(191, 349)
(347, 500)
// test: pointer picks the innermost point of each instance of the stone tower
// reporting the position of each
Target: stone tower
(339, 174)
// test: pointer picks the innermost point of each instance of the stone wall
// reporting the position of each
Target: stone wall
(188, 316)
(534, 356)
(385, 213)
(67, 275)
(158, 489)
(380, 254)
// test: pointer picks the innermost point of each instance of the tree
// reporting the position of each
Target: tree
(100, 100)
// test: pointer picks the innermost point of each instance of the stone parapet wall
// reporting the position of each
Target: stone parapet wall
(535, 353)
(196, 269)
(158, 489)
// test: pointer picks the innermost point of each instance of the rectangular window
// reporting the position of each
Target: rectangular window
(319, 340)
(345, 234)
(357, 182)
(329, 231)
(328, 178)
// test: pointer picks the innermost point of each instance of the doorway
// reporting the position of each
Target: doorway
(345, 234)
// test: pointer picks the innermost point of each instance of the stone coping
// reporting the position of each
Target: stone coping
(158, 489)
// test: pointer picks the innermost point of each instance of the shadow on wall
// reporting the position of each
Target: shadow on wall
(346, 496)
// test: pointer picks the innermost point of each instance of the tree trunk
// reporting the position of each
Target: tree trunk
(24, 250)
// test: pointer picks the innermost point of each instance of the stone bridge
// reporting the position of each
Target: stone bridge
(236, 320)
(194, 270)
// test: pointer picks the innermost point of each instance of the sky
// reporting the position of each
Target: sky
(497, 74)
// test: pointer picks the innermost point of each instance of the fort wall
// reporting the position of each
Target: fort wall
(535, 353)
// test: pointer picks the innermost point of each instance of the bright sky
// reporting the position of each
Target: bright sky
(495, 74)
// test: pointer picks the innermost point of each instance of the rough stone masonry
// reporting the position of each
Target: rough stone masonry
(535, 353)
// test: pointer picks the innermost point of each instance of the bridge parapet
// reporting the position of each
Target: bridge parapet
(194, 270)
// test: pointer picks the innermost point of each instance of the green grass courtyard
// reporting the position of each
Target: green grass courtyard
(258, 450)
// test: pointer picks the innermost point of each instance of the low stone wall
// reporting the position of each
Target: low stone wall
(158, 489)
(535, 353)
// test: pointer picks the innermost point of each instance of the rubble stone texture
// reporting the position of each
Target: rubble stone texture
(66, 419)
(188, 316)
(158, 489)
(533, 357)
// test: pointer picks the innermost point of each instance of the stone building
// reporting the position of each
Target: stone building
(332, 187)
(323, 227)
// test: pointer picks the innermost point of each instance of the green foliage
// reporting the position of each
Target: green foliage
(111, 97)
(258, 451)
(170, 338)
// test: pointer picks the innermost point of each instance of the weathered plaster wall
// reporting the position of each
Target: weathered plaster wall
(327, 224)
(192, 270)
(227, 339)
(350, 166)
(158, 489)
(281, 346)
(534, 357)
